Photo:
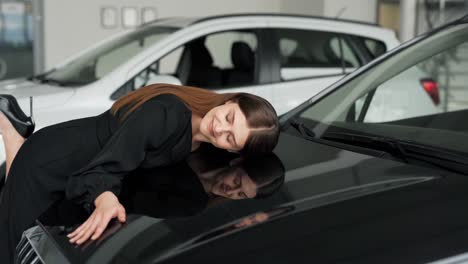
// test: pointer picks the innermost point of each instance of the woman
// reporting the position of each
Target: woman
(85, 159)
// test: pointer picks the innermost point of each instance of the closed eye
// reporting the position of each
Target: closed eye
(230, 117)
(232, 141)
(237, 180)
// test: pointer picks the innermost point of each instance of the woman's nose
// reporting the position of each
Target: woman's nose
(231, 191)
(220, 128)
(232, 187)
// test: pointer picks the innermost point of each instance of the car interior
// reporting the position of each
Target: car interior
(196, 66)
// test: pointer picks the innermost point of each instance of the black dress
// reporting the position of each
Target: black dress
(80, 159)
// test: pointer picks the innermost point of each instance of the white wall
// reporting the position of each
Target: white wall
(361, 10)
(72, 25)
(302, 7)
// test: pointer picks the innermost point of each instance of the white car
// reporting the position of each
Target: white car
(283, 58)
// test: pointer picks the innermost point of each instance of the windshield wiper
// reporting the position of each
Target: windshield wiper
(389, 145)
(35, 78)
(40, 76)
(306, 133)
(302, 128)
(405, 150)
(42, 79)
(52, 81)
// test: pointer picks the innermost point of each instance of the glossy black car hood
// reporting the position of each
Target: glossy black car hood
(318, 179)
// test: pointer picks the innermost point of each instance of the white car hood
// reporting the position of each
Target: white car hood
(44, 95)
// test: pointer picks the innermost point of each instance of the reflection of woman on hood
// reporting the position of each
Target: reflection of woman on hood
(227, 175)
(208, 177)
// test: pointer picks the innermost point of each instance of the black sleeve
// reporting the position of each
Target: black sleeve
(148, 127)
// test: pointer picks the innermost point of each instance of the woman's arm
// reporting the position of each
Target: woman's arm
(149, 127)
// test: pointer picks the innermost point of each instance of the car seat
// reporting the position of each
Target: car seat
(243, 60)
(201, 71)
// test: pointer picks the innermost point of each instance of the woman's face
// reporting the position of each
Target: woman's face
(234, 184)
(225, 127)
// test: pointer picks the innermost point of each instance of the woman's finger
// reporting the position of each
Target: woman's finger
(121, 215)
(91, 228)
(88, 223)
(83, 228)
(83, 225)
(78, 230)
(102, 226)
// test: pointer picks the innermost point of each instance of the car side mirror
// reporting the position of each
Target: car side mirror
(139, 82)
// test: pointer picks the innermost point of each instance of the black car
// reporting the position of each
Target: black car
(358, 187)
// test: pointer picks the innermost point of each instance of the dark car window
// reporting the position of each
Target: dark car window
(307, 53)
(228, 60)
(374, 47)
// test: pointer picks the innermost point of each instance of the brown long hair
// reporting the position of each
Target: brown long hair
(260, 114)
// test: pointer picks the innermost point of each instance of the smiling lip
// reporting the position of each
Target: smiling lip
(210, 128)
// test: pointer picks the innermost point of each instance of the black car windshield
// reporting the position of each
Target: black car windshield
(418, 95)
(100, 61)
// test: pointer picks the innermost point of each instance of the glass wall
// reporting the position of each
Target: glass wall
(16, 39)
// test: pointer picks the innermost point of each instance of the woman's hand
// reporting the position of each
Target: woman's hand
(107, 207)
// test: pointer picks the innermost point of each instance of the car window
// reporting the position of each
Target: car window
(168, 64)
(341, 48)
(100, 61)
(307, 53)
(220, 60)
(223, 51)
(419, 94)
(374, 47)
(109, 61)
(421, 90)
